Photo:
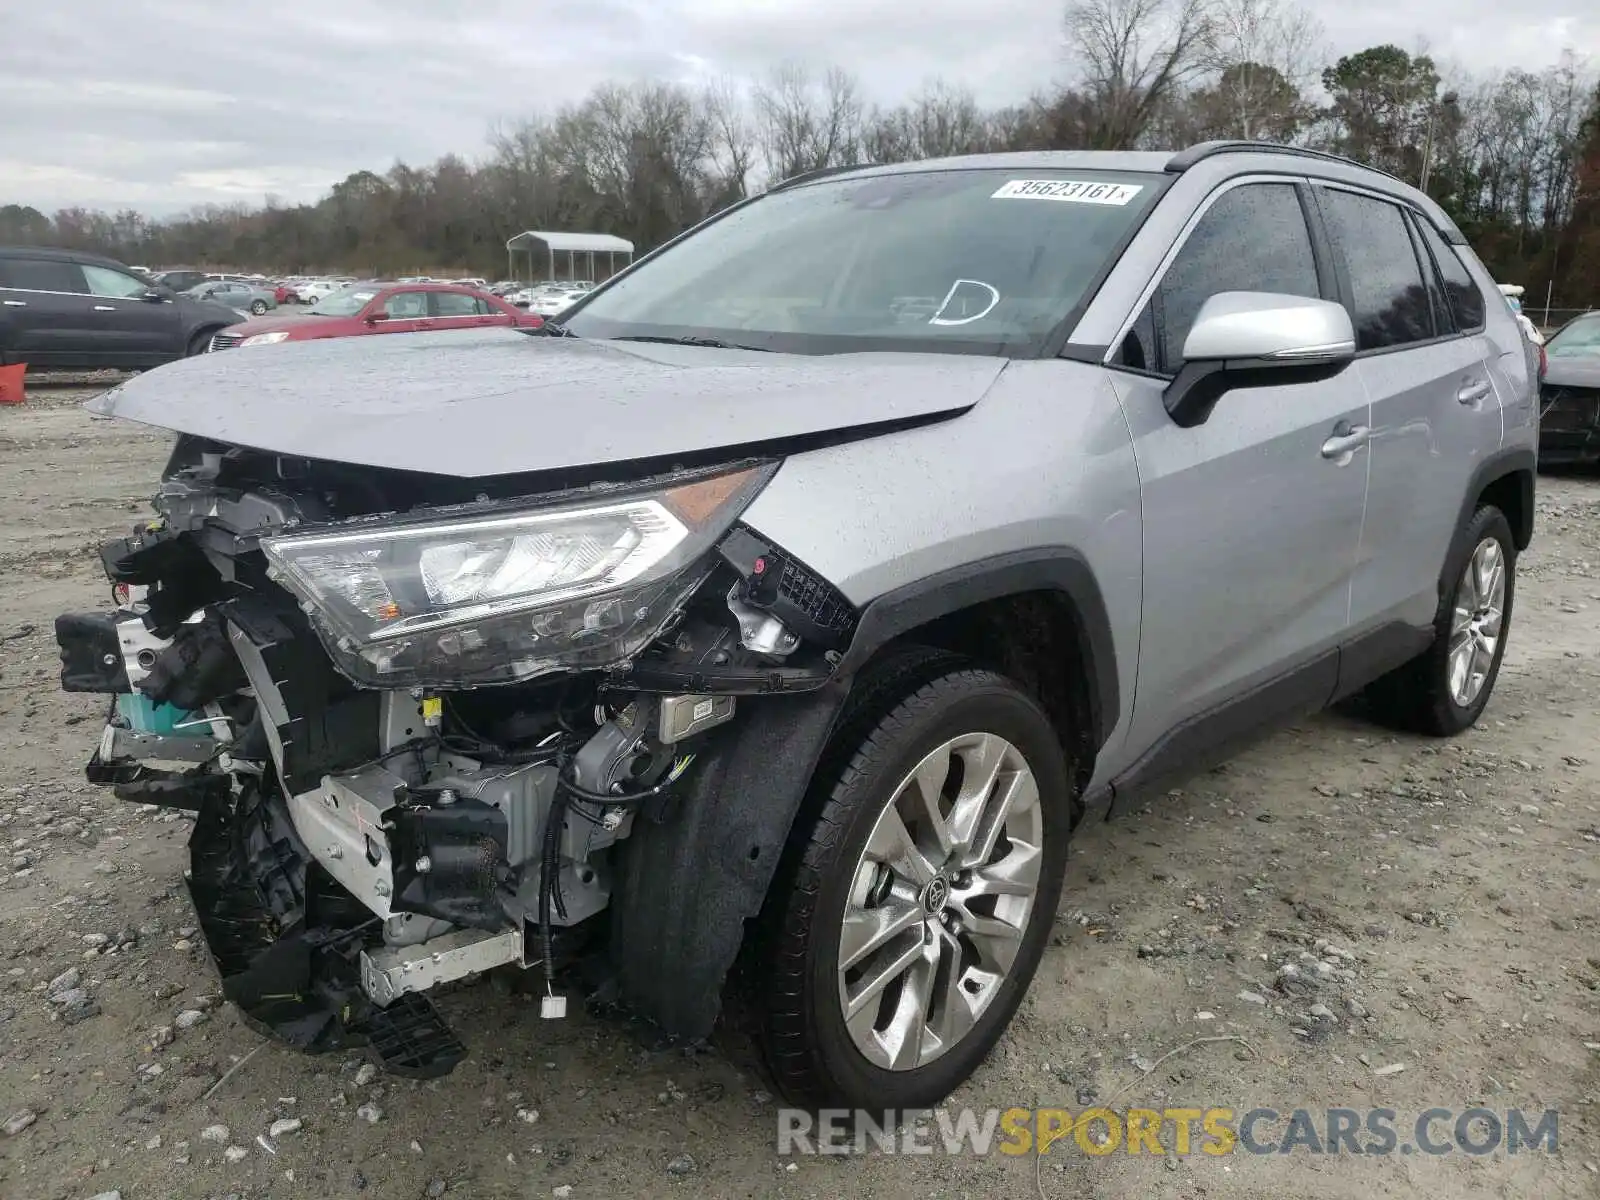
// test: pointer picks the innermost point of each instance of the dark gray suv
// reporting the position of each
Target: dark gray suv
(62, 308)
(801, 589)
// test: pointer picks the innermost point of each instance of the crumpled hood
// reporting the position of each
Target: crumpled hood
(501, 402)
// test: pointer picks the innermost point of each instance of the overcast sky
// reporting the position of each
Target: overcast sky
(163, 104)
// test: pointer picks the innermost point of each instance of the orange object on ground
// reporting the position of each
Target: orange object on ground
(11, 384)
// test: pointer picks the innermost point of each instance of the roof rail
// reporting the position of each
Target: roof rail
(819, 173)
(1184, 159)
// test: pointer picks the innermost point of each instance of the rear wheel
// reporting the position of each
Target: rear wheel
(1444, 689)
(905, 930)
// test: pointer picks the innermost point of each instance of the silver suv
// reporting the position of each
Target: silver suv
(801, 590)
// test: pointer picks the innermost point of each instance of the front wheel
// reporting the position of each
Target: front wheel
(258, 307)
(907, 927)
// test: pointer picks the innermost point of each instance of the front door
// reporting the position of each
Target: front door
(1252, 518)
(136, 331)
(403, 312)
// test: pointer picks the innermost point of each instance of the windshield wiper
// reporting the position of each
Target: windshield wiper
(709, 343)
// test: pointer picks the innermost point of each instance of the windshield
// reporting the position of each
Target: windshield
(980, 261)
(345, 303)
(1580, 339)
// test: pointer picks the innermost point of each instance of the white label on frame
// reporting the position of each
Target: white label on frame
(1069, 191)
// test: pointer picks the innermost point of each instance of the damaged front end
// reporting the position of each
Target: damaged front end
(415, 725)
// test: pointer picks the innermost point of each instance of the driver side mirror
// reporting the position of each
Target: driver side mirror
(155, 294)
(1257, 339)
(372, 318)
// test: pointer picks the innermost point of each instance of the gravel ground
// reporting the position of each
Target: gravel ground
(1456, 882)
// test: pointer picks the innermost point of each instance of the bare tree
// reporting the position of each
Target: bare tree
(733, 143)
(1265, 54)
(805, 124)
(1133, 55)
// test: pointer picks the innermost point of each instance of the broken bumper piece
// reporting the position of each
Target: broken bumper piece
(288, 942)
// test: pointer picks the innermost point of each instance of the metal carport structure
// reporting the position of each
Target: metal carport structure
(546, 245)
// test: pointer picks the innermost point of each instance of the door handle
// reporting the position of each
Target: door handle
(105, 308)
(1473, 392)
(1346, 440)
(16, 304)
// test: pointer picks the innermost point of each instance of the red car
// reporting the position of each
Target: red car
(366, 308)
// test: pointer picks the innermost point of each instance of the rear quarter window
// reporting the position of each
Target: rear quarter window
(41, 275)
(1466, 300)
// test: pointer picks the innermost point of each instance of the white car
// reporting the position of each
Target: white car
(554, 303)
(318, 289)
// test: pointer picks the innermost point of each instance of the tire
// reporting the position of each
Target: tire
(258, 307)
(961, 715)
(1419, 696)
(199, 343)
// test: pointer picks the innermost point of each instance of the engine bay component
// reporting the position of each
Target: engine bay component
(760, 631)
(682, 717)
(417, 745)
(91, 653)
(394, 971)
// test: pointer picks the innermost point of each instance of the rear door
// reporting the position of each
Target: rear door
(136, 331)
(1251, 518)
(460, 310)
(48, 320)
(1434, 413)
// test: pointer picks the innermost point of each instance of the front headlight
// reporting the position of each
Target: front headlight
(265, 339)
(502, 597)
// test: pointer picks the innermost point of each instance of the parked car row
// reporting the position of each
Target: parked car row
(64, 309)
(550, 299)
(368, 308)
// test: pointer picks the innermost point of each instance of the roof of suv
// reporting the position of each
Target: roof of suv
(53, 254)
(1225, 158)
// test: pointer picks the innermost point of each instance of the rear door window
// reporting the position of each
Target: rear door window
(41, 275)
(458, 304)
(1389, 297)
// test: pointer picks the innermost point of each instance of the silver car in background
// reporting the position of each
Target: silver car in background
(245, 297)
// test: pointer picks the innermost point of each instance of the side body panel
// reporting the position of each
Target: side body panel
(1043, 461)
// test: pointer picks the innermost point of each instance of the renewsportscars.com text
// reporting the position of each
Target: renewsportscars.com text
(1211, 1131)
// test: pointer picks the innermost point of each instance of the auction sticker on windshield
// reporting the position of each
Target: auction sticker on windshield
(1073, 191)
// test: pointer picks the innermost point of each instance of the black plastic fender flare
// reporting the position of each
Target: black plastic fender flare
(692, 874)
(1522, 461)
(1048, 568)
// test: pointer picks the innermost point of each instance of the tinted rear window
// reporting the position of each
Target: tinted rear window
(41, 275)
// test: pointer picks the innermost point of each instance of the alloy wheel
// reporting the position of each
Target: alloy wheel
(939, 901)
(1475, 623)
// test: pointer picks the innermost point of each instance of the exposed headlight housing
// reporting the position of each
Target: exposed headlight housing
(265, 339)
(506, 596)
